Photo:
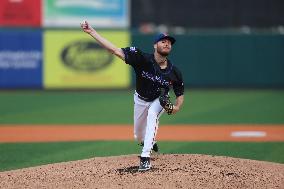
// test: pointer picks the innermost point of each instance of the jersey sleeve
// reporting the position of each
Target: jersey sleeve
(133, 56)
(178, 85)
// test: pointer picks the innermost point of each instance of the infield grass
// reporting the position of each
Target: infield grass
(20, 155)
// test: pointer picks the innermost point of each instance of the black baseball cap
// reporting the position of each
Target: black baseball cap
(162, 36)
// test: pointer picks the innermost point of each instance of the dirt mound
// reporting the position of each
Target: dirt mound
(168, 171)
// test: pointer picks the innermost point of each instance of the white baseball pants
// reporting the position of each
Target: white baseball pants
(146, 120)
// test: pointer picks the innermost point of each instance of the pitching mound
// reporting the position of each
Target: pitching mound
(168, 171)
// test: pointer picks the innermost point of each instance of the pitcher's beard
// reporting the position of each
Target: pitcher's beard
(164, 54)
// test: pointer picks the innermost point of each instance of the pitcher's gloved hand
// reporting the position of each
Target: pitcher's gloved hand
(166, 103)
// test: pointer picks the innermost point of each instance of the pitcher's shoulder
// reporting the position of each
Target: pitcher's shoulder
(177, 70)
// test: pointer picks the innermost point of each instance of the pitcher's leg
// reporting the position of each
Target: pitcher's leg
(140, 118)
(154, 113)
(140, 122)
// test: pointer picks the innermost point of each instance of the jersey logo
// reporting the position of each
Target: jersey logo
(155, 78)
(133, 49)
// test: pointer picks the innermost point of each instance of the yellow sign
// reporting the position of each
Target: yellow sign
(73, 59)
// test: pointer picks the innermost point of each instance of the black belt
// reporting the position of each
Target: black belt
(145, 98)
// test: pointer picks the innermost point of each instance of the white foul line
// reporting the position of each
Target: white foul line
(248, 134)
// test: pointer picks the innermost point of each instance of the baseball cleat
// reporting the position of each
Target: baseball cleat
(144, 164)
(155, 148)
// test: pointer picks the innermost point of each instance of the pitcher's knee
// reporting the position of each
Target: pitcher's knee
(152, 114)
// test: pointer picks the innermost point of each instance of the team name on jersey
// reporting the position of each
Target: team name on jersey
(133, 49)
(155, 78)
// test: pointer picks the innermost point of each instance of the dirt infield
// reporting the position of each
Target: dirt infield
(54, 133)
(169, 171)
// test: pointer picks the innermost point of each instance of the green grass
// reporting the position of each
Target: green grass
(40, 107)
(116, 107)
(20, 155)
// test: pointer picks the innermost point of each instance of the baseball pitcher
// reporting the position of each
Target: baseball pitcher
(155, 75)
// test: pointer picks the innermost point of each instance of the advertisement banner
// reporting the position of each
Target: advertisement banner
(21, 59)
(20, 13)
(72, 59)
(100, 13)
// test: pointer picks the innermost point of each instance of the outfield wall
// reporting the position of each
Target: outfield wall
(61, 59)
(43, 47)
(226, 60)
(70, 59)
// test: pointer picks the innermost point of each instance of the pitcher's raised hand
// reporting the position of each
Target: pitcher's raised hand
(86, 27)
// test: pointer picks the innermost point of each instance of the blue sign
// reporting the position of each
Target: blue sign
(21, 59)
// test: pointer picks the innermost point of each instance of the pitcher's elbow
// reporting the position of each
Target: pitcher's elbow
(119, 53)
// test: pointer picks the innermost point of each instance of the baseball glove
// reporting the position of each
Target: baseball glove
(166, 103)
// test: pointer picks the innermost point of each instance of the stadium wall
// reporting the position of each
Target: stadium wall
(226, 60)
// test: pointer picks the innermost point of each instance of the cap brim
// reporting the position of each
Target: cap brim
(172, 40)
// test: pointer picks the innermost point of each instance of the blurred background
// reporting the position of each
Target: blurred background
(236, 43)
(230, 52)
